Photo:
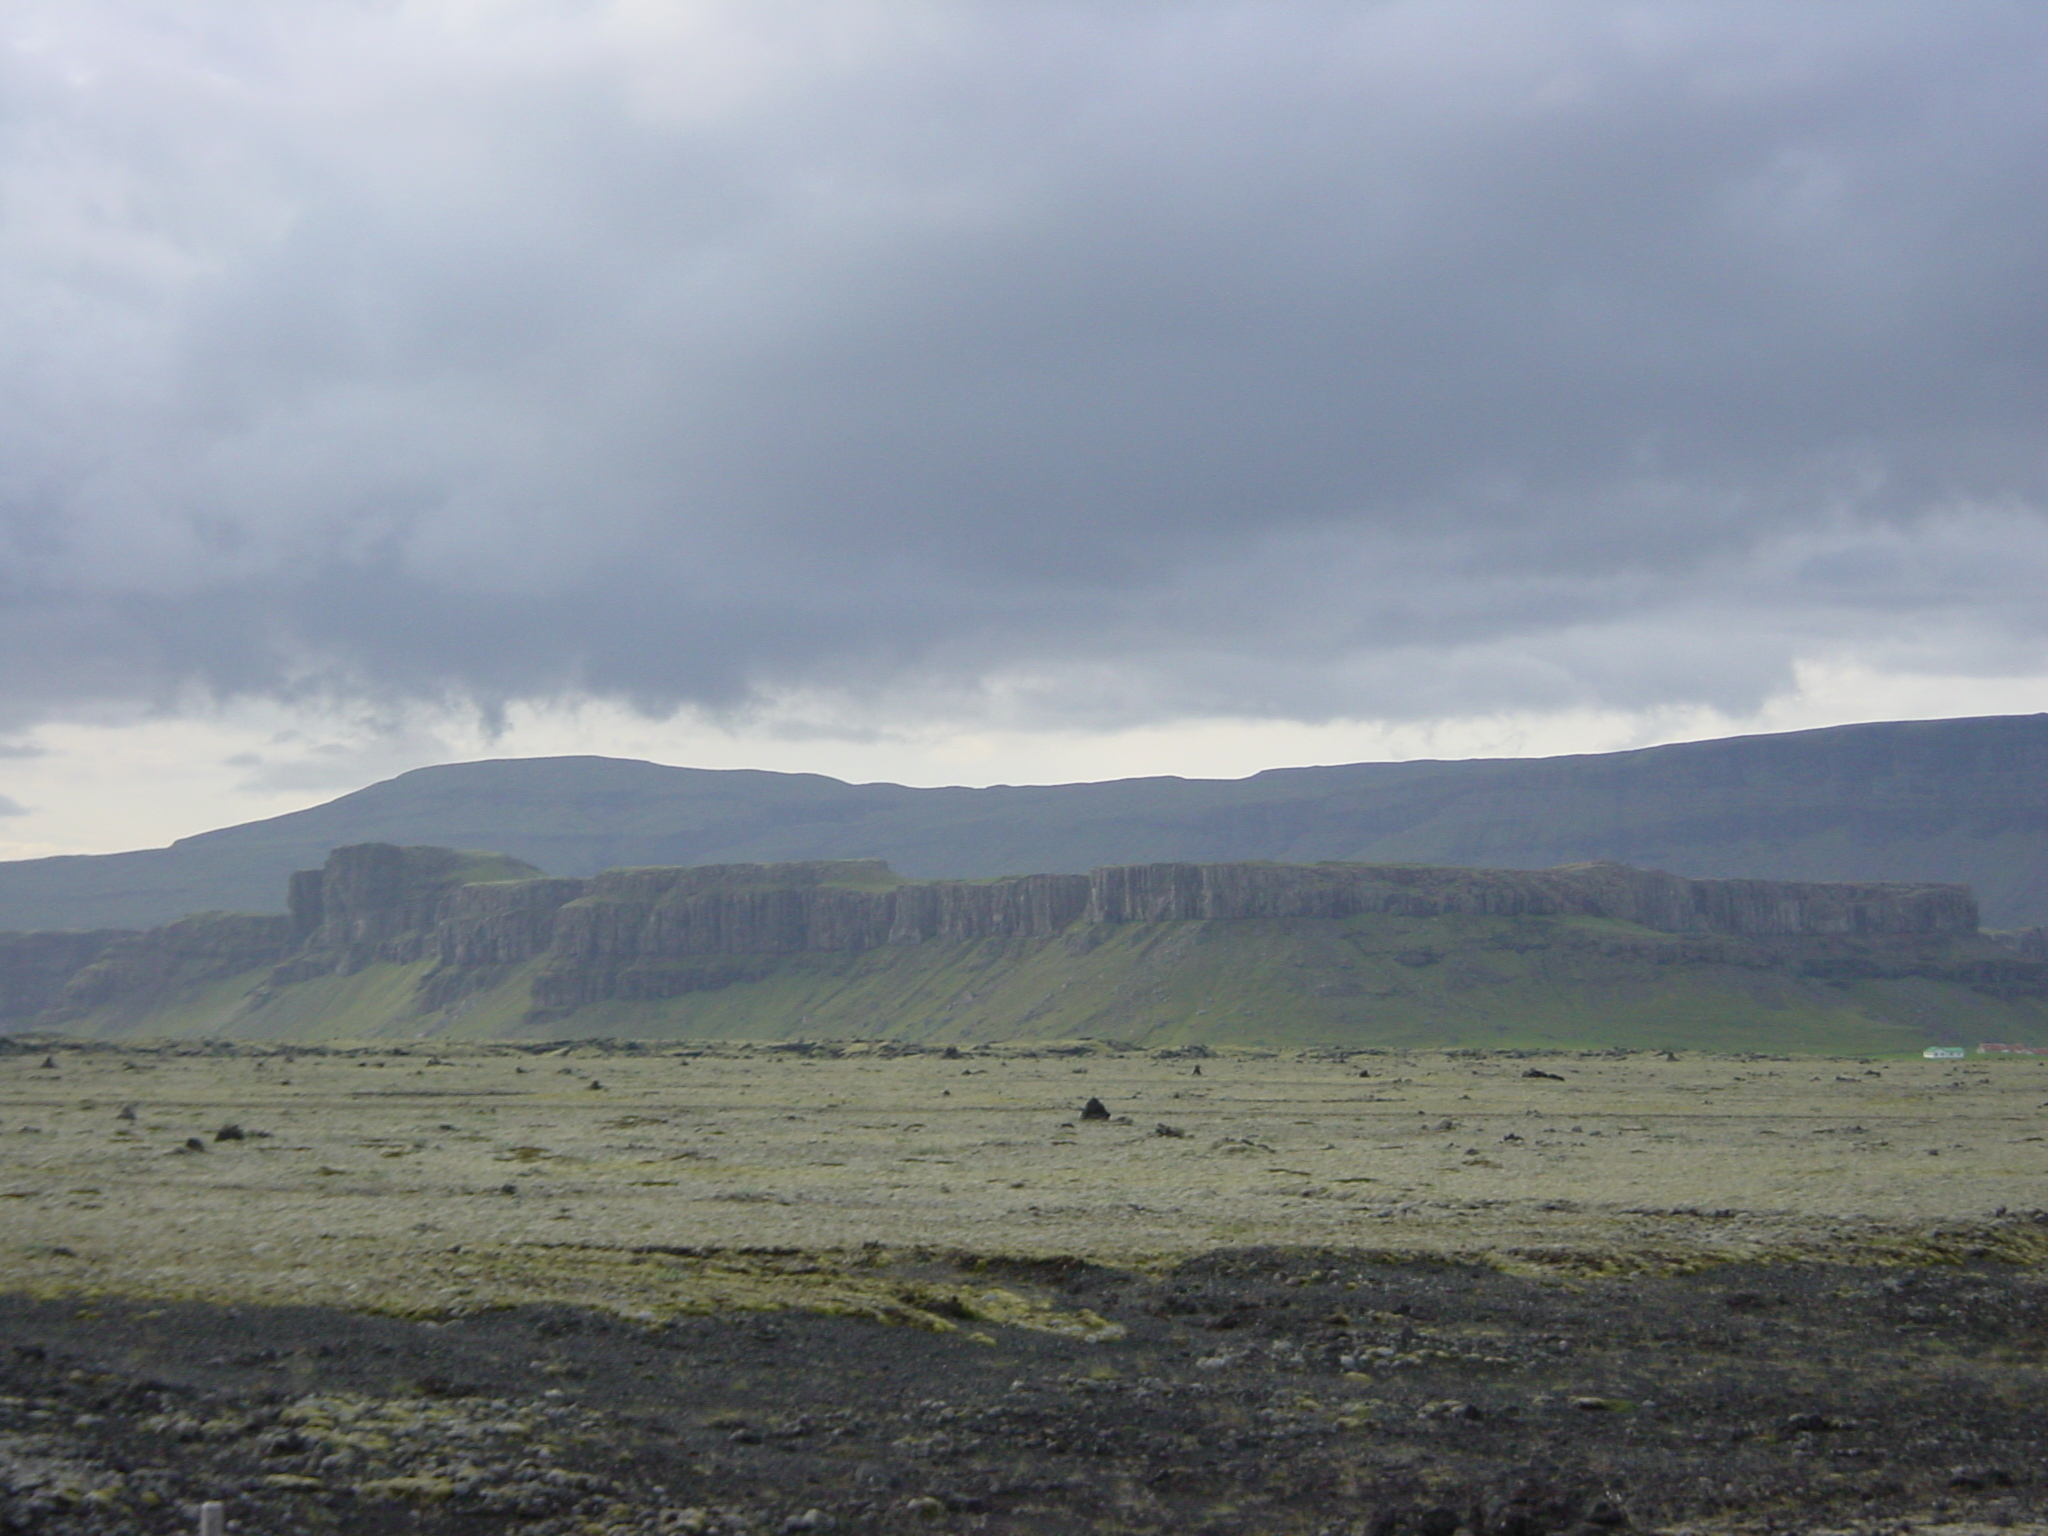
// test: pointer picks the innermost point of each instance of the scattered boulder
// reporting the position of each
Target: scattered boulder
(1554, 1077)
(1978, 1479)
(1452, 1408)
(1095, 1109)
(230, 1132)
(1163, 1129)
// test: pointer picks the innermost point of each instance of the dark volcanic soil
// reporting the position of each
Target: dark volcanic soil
(1255, 1392)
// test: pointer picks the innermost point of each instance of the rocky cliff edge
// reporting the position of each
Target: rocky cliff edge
(631, 933)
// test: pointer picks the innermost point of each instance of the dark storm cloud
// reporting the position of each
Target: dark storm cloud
(1121, 361)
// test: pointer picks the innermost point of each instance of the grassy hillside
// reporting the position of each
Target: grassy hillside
(1364, 982)
(1361, 982)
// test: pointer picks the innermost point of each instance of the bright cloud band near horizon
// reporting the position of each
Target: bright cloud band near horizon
(1067, 367)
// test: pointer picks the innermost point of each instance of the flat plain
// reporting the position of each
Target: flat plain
(421, 1176)
(966, 1199)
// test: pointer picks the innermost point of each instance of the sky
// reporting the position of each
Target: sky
(999, 392)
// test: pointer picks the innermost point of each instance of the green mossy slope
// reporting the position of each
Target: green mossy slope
(1360, 982)
(1373, 981)
(185, 1007)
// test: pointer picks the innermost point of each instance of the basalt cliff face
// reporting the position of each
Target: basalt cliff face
(378, 901)
(766, 909)
(637, 936)
(1752, 908)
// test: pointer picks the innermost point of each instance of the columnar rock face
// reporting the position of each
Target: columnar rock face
(646, 933)
(766, 909)
(1770, 908)
(765, 922)
(501, 922)
(1151, 893)
(650, 933)
(727, 909)
(1751, 908)
(303, 899)
(374, 891)
(377, 901)
(1028, 906)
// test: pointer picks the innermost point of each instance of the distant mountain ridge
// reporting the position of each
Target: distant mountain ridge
(1962, 801)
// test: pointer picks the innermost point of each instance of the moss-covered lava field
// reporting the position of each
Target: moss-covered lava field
(586, 1289)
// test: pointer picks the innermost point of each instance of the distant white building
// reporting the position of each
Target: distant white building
(1944, 1053)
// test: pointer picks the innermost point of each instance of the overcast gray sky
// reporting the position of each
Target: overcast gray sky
(1106, 386)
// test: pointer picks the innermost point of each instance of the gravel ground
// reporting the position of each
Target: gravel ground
(479, 1289)
(1261, 1391)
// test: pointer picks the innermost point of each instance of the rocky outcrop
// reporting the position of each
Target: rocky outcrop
(646, 933)
(1029, 906)
(1782, 909)
(377, 901)
(36, 967)
(651, 933)
(1751, 908)
(728, 909)
(501, 922)
(139, 968)
(2031, 942)
(769, 909)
